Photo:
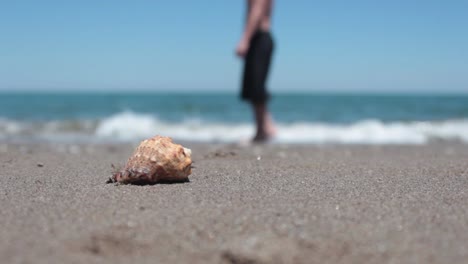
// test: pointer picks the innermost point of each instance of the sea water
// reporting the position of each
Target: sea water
(216, 117)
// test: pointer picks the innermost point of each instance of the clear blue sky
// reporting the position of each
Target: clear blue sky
(362, 45)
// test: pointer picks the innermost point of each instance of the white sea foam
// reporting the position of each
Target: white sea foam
(130, 126)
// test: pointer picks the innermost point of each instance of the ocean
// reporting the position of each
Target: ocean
(211, 117)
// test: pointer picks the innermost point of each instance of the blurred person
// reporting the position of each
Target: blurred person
(256, 48)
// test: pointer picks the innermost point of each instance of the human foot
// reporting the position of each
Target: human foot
(264, 136)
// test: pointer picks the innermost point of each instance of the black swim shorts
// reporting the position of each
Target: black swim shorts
(257, 65)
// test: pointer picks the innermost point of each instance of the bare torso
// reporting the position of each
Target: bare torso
(265, 21)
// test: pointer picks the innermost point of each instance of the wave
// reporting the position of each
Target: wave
(130, 126)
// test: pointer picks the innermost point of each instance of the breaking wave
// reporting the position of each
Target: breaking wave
(130, 126)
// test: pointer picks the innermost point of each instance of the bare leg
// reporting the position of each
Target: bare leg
(265, 125)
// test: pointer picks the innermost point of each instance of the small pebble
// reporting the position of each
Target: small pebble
(40, 164)
(131, 224)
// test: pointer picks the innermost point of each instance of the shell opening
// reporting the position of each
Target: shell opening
(188, 151)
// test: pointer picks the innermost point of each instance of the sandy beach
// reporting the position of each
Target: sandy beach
(262, 204)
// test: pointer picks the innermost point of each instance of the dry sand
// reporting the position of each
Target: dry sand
(267, 204)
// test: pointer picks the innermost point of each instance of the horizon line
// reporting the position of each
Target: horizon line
(224, 92)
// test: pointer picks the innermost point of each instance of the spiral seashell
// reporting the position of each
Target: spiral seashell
(156, 159)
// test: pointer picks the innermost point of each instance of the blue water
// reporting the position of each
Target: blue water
(339, 109)
(208, 117)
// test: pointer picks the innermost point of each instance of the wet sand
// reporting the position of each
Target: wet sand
(264, 204)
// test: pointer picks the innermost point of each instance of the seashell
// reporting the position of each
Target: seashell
(156, 159)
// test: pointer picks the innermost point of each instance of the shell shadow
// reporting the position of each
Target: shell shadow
(145, 183)
(165, 182)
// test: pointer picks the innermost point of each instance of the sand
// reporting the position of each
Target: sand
(263, 204)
